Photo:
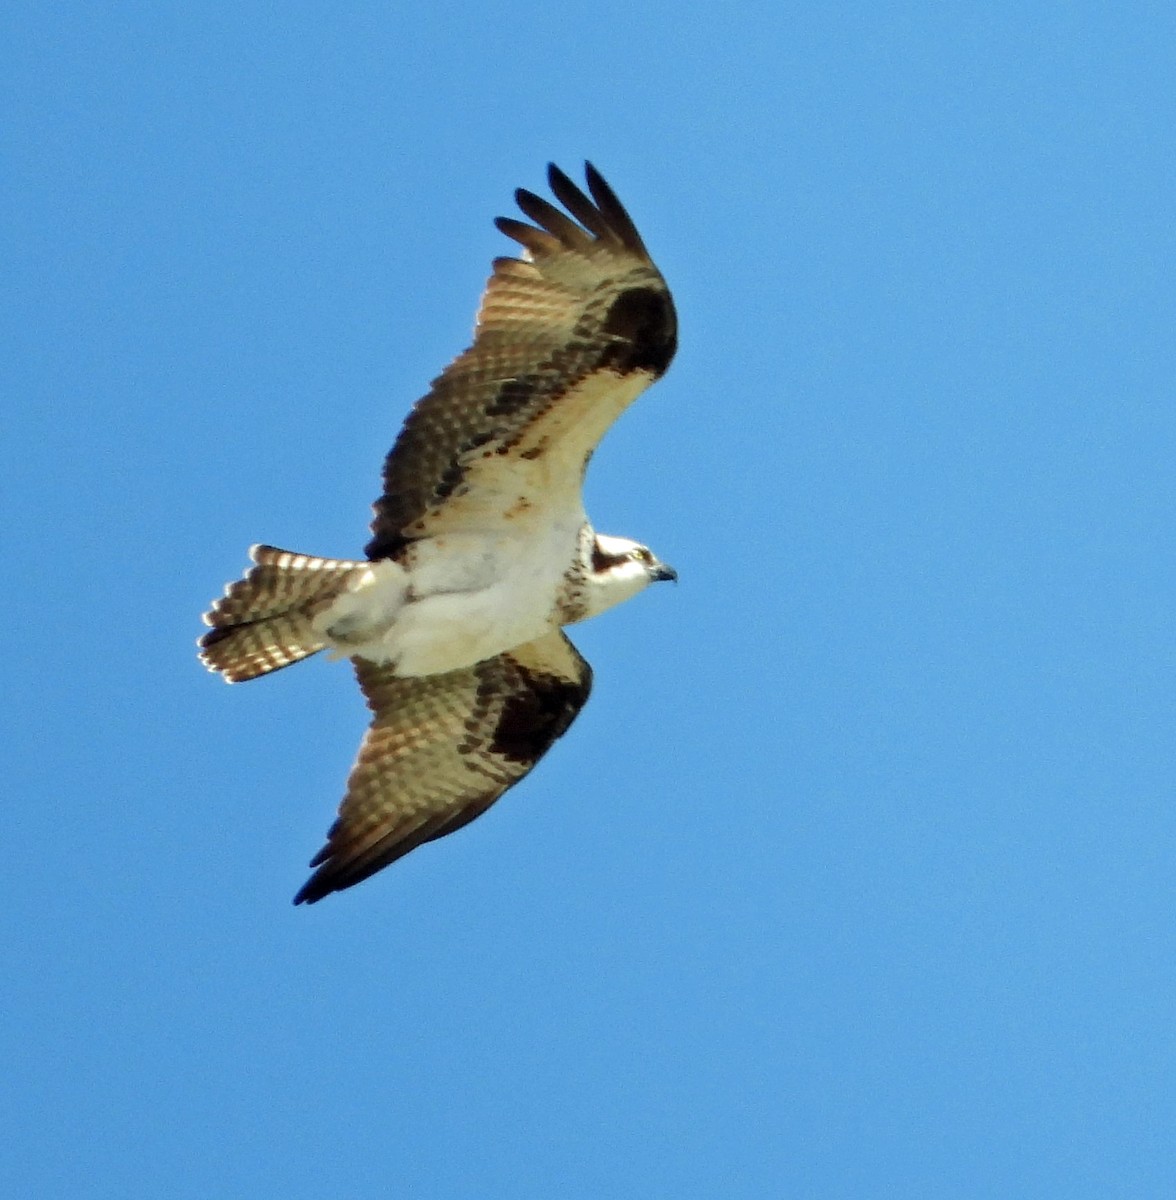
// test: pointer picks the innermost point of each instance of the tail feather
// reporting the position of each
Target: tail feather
(264, 621)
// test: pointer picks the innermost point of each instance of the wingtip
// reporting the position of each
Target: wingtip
(554, 171)
(320, 884)
(311, 892)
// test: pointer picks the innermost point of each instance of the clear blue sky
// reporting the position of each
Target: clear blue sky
(855, 877)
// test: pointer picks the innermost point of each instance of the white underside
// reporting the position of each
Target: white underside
(465, 597)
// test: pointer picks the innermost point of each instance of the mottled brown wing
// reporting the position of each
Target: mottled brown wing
(566, 339)
(441, 749)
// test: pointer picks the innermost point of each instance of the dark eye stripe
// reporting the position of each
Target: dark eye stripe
(602, 562)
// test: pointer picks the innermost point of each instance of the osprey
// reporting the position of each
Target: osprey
(481, 550)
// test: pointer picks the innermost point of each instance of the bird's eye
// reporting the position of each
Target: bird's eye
(643, 555)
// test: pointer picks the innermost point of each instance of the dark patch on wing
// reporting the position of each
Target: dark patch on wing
(514, 395)
(386, 545)
(645, 325)
(218, 635)
(539, 710)
(451, 477)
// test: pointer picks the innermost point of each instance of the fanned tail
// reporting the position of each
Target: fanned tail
(264, 621)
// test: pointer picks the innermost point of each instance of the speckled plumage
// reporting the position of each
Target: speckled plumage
(481, 549)
(441, 749)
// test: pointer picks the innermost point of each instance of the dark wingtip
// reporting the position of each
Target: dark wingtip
(614, 212)
(600, 211)
(557, 178)
(309, 893)
(212, 636)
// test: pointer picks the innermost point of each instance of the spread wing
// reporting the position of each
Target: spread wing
(566, 338)
(441, 749)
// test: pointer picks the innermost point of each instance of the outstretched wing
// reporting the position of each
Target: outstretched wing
(441, 749)
(567, 337)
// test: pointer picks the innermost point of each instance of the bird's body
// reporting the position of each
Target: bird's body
(482, 551)
(455, 599)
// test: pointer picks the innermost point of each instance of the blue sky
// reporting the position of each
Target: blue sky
(854, 879)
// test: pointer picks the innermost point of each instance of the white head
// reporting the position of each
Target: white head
(619, 568)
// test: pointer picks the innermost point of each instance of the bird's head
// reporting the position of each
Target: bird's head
(619, 568)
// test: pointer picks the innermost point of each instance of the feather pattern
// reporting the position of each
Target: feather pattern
(441, 749)
(566, 339)
(263, 622)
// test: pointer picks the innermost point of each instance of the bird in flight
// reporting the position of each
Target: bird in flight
(481, 551)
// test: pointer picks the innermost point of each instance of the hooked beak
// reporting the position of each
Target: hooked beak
(662, 572)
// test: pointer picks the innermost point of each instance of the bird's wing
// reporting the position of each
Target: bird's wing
(441, 749)
(566, 338)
